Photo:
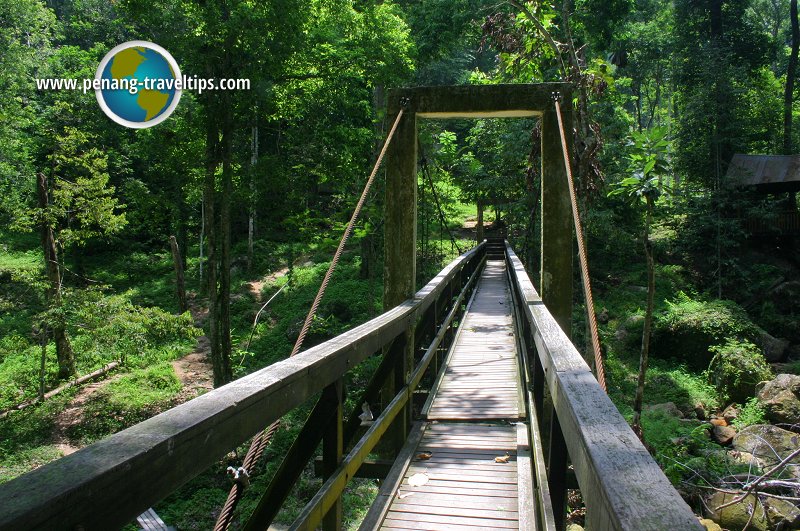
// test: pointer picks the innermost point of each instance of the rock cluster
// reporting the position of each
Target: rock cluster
(781, 399)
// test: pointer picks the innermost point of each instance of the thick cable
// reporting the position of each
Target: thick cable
(261, 440)
(587, 286)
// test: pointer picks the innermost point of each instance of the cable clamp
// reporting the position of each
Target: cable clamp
(556, 96)
(239, 475)
(405, 101)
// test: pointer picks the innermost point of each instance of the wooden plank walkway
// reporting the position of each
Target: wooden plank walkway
(464, 486)
(465, 468)
(481, 381)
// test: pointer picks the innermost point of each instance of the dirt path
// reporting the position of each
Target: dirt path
(255, 287)
(194, 371)
(72, 415)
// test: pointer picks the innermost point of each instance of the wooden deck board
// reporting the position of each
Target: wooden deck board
(481, 378)
(466, 488)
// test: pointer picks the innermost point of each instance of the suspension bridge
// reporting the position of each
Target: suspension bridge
(485, 413)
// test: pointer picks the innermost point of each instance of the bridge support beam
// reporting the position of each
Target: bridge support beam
(478, 101)
(555, 276)
(400, 265)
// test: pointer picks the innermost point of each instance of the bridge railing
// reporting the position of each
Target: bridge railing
(107, 484)
(622, 486)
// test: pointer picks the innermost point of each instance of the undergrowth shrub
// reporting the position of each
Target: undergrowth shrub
(751, 413)
(120, 330)
(736, 368)
(20, 366)
(689, 327)
(127, 400)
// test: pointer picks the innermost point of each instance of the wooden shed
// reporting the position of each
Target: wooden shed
(769, 174)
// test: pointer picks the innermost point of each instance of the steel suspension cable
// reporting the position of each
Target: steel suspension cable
(442, 219)
(261, 440)
(587, 286)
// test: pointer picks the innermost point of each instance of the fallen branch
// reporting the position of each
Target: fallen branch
(105, 369)
(748, 489)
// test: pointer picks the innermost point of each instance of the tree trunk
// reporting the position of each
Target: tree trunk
(179, 278)
(648, 321)
(479, 226)
(66, 357)
(43, 360)
(788, 95)
(226, 373)
(210, 225)
(791, 71)
(251, 218)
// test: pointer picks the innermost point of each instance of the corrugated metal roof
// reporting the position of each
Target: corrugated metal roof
(768, 171)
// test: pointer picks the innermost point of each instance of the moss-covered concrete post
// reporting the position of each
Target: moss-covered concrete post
(400, 250)
(556, 259)
(400, 236)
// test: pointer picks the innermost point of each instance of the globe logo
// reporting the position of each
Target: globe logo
(138, 84)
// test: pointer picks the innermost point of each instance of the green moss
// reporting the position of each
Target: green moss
(688, 328)
(752, 413)
(736, 368)
(666, 382)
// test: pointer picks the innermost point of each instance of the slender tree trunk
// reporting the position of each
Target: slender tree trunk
(479, 225)
(210, 225)
(179, 277)
(791, 72)
(788, 95)
(66, 357)
(251, 218)
(648, 321)
(226, 373)
(183, 229)
(43, 339)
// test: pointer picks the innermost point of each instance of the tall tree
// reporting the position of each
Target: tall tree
(75, 205)
(791, 72)
(648, 167)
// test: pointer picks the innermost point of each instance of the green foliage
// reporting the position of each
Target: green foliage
(127, 400)
(115, 328)
(19, 370)
(689, 327)
(25, 37)
(751, 413)
(736, 368)
(666, 382)
(648, 155)
(718, 57)
(25, 437)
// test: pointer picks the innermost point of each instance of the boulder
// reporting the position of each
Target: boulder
(723, 435)
(710, 525)
(629, 332)
(668, 408)
(768, 514)
(781, 399)
(730, 413)
(718, 422)
(770, 444)
(746, 459)
(736, 370)
(774, 348)
(700, 411)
